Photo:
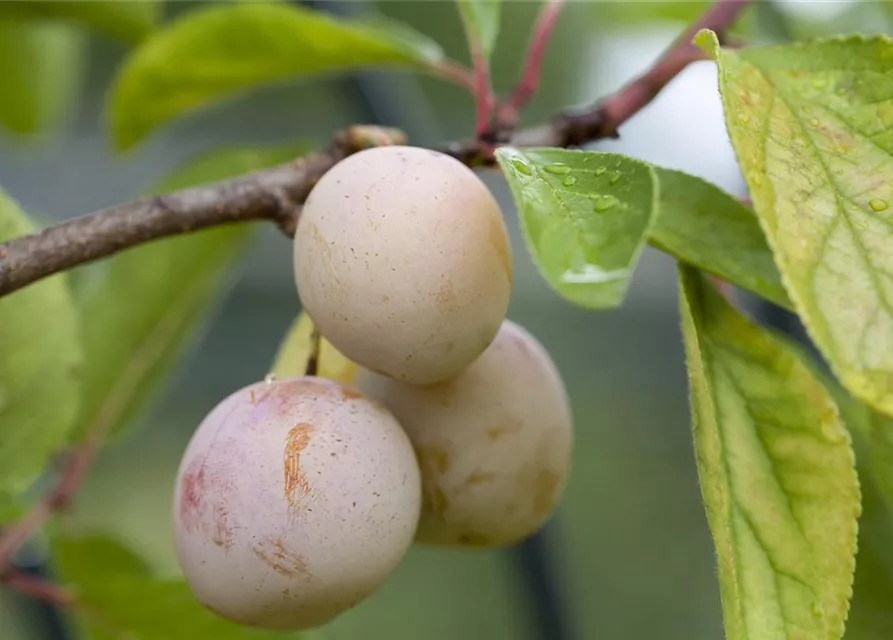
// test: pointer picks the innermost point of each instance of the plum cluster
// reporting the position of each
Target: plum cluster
(297, 497)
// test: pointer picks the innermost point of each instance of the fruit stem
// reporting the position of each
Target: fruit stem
(313, 357)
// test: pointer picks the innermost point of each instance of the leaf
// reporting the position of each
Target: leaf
(291, 359)
(40, 351)
(41, 66)
(585, 215)
(777, 474)
(142, 308)
(215, 52)
(128, 21)
(812, 125)
(121, 598)
(704, 226)
(481, 21)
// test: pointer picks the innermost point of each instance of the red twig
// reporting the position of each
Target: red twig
(55, 500)
(640, 92)
(539, 42)
(482, 90)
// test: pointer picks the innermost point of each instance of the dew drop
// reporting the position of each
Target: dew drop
(807, 109)
(605, 202)
(614, 177)
(817, 609)
(594, 196)
(591, 274)
(270, 378)
(592, 239)
(558, 168)
(570, 181)
(522, 166)
(600, 170)
(814, 122)
(743, 118)
(878, 205)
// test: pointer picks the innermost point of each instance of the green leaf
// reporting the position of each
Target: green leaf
(143, 306)
(585, 215)
(40, 351)
(777, 475)
(129, 21)
(812, 125)
(121, 597)
(216, 52)
(481, 21)
(41, 67)
(704, 226)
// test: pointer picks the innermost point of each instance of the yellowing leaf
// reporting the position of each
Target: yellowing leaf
(777, 474)
(812, 125)
(291, 359)
(215, 52)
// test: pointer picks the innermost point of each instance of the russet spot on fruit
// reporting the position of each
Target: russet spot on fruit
(402, 260)
(494, 443)
(294, 501)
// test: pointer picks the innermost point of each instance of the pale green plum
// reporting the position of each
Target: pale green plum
(403, 262)
(494, 443)
(294, 501)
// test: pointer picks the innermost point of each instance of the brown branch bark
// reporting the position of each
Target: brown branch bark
(276, 194)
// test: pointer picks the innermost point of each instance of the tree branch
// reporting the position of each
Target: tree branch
(276, 194)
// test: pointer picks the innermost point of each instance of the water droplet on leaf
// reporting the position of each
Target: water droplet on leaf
(522, 166)
(605, 202)
(817, 609)
(615, 177)
(590, 274)
(558, 168)
(814, 122)
(743, 118)
(878, 205)
(600, 170)
(570, 181)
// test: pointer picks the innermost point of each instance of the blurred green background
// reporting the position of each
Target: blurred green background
(630, 548)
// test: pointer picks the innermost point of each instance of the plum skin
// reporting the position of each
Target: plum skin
(402, 260)
(494, 443)
(294, 501)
